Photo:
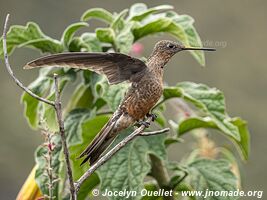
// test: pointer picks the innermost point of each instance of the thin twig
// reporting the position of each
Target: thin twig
(154, 132)
(63, 138)
(49, 167)
(115, 149)
(8, 67)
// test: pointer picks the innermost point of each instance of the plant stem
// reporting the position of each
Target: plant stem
(159, 172)
(58, 111)
(50, 169)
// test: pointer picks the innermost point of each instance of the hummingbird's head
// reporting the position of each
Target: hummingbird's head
(167, 48)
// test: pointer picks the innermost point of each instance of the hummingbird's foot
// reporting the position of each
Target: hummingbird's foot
(154, 116)
(140, 123)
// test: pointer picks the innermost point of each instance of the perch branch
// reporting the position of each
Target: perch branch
(63, 137)
(11, 73)
(115, 149)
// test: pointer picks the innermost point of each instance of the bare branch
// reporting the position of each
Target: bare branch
(8, 67)
(154, 132)
(115, 149)
(58, 110)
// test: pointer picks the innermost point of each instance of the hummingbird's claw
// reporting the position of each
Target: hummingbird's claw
(140, 123)
(154, 116)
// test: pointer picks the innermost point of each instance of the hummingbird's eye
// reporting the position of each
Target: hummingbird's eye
(171, 46)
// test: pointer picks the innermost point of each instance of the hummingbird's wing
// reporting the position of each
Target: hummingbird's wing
(116, 66)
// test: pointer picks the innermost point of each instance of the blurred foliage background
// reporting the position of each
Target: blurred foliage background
(237, 29)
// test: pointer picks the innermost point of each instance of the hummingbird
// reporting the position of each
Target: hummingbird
(146, 88)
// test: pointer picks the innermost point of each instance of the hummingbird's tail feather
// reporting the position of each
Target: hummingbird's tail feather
(118, 122)
(99, 144)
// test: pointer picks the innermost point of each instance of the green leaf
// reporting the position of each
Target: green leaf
(160, 118)
(82, 97)
(87, 186)
(78, 45)
(98, 13)
(125, 39)
(211, 103)
(186, 22)
(139, 11)
(160, 25)
(70, 31)
(185, 187)
(209, 100)
(244, 143)
(91, 40)
(30, 36)
(151, 187)
(118, 23)
(212, 175)
(171, 92)
(73, 123)
(86, 129)
(40, 87)
(195, 122)
(105, 35)
(127, 169)
(87, 42)
(113, 94)
(41, 176)
(49, 113)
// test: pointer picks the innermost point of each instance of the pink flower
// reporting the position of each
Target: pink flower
(137, 49)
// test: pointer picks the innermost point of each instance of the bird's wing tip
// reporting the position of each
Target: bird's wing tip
(27, 67)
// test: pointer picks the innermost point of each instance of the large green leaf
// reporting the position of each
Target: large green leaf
(160, 25)
(191, 123)
(98, 13)
(139, 11)
(209, 100)
(70, 31)
(212, 175)
(127, 169)
(206, 122)
(194, 40)
(30, 36)
(41, 176)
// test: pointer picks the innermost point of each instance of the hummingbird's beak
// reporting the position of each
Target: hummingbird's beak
(198, 48)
